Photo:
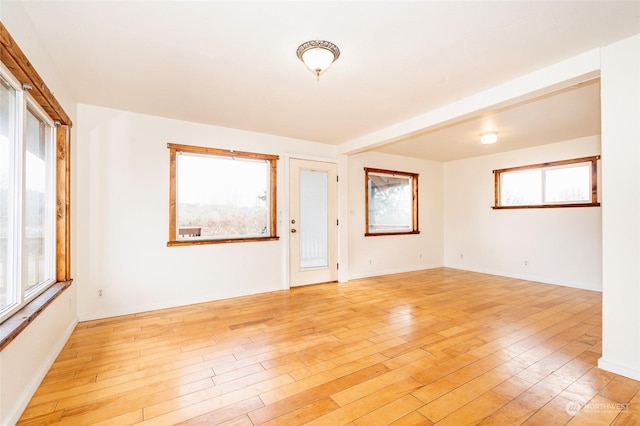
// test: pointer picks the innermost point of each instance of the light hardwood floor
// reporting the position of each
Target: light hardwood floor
(438, 346)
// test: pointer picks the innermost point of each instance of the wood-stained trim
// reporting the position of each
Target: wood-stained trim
(366, 201)
(14, 325)
(63, 204)
(16, 61)
(18, 64)
(219, 241)
(415, 204)
(220, 152)
(594, 184)
(172, 194)
(381, 234)
(496, 189)
(273, 197)
(594, 180)
(273, 184)
(546, 206)
(591, 159)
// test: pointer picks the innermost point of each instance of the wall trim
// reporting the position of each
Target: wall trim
(168, 304)
(528, 277)
(394, 271)
(616, 368)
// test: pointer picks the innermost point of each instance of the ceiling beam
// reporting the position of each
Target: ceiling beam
(575, 70)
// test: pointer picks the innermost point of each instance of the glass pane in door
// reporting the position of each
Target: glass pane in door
(313, 227)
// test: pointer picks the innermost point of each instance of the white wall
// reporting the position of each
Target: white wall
(380, 255)
(123, 224)
(26, 360)
(620, 88)
(561, 246)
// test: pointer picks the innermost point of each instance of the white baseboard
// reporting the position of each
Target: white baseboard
(39, 375)
(632, 373)
(173, 303)
(528, 277)
(378, 273)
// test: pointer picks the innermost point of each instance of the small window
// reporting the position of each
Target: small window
(219, 196)
(568, 183)
(391, 202)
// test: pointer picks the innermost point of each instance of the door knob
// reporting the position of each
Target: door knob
(293, 231)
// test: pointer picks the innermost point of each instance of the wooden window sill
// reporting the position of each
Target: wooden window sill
(546, 206)
(13, 326)
(220, 241)
(379, 234)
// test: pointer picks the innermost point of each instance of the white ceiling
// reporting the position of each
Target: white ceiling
(568, 114)
(234, 64)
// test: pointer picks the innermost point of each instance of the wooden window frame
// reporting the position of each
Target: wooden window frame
(174, 149)
(414, 205)
(17, 63)
(594, 184)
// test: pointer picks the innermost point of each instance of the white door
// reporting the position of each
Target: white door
(313, 222)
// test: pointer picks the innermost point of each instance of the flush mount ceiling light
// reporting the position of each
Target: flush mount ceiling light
(318, 55)
(488, 138)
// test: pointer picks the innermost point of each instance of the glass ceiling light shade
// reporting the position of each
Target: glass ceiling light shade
(488, 138)
(318, 55)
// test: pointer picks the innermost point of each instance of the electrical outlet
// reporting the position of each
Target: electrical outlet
(369, 261)
(526, 263)
(461, 256)
(100, 292)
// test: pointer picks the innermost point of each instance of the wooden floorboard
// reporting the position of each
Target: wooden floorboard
(439, 346)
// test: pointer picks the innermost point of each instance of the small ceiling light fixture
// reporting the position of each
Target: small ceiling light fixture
(318, 55)
(488, 138)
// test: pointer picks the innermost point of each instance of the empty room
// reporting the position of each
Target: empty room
(319, 212)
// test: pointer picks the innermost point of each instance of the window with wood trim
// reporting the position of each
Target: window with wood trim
(221, 196)
(34, 192)
(567, 183)
(391, 202)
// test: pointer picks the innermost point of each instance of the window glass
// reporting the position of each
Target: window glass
(568, 184)
(27, 195)
(314, 210)
(38, 230)
(222, 197)
(7, 141)
(521, 188)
